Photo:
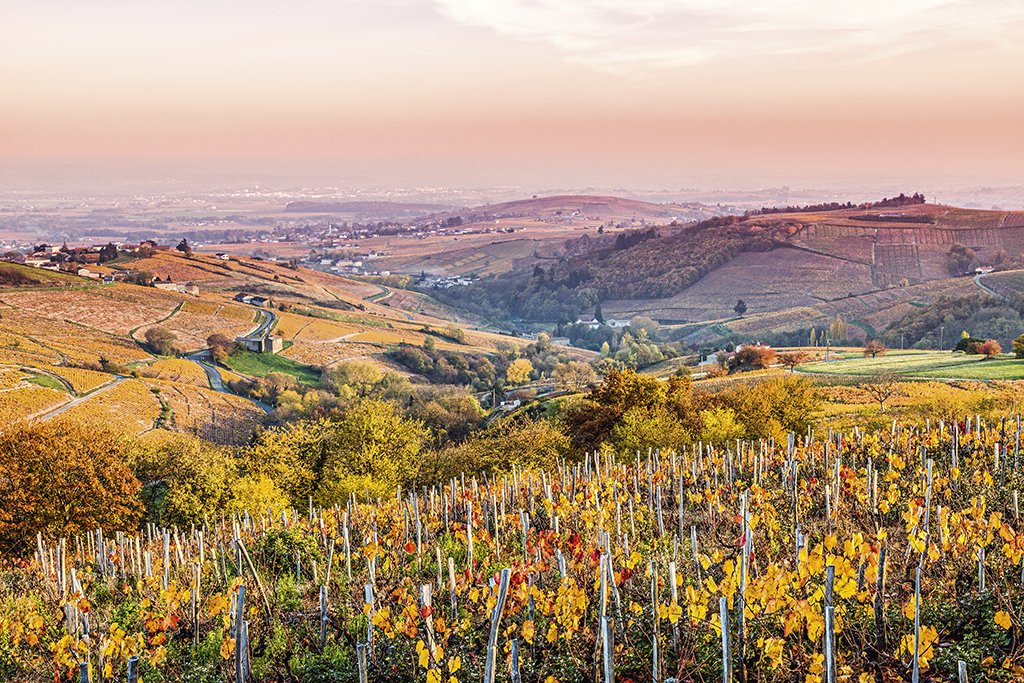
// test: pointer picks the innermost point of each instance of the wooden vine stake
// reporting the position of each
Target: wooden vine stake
(830, 640)
(607, 646)
(323, 617)
(492, 642)
(723, 616)
(916, 674)
(361, 662)
(514, 663)
(133, 669)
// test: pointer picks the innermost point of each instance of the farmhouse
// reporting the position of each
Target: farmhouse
(266, 344)
(253, 300)
(189, 288)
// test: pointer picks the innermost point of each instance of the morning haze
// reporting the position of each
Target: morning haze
(560, 93)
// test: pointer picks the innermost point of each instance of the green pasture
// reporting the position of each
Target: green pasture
(922, 365)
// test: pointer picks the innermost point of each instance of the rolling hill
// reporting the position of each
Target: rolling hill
(792, 267)
(591, 208)
(74, 346)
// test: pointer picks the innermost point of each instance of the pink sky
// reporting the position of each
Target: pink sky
(644, 93)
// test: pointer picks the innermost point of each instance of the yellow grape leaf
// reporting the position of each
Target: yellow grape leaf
(1003, 619)
(434, 676)
(674, 612)
(772, 648)
(528, 631)
(454, 664)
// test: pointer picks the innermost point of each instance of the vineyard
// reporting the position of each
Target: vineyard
(25, 400)
(215, 416)
(129, 407)
(875, 554)
(178, 370)
(81, 381)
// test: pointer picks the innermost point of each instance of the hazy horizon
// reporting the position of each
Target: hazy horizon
(650, 94)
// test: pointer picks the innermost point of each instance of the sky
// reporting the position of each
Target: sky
(637, 93)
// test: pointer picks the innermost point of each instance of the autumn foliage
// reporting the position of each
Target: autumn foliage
(60, 477)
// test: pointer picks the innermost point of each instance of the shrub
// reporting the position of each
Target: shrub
(161, 341)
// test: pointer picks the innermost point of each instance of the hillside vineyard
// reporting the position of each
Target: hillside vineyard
(875, 554)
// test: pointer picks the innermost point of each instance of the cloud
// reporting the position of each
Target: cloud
(636, 35)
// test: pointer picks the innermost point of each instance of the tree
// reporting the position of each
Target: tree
(837, 330)
(221, 346)
(184, 247)
(63, 477)
(740, 308)
(450, 412)
(648, 325)
(292, 457)
(882, 386)
(524, 443)
(373, 450)
(598, 314)
(575, 375)
(455, 333)
(720, 426)
(161, 340)
(792, 359)
(961, 259)
(623, 389)
(641, 428)
(362, 376)
(519, 371)
(874, 348)
(753, 357)
(108, 252)
(1018, 346)
(990, 348)
(183, 478)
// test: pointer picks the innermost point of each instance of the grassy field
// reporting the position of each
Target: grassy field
(923, 365)
(262, 364)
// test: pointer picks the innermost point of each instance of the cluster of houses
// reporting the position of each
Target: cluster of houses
(447, 281)
(87, 261)
(594, 323)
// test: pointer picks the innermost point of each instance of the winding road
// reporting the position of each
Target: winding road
(985, 288)
(203, 359)
(81, 399)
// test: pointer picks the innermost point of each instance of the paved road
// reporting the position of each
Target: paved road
(81, 399)
(269, 317)
(986, 288)
(202, 359)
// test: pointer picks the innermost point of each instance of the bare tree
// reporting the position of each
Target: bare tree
(575, 375)
(882, 386)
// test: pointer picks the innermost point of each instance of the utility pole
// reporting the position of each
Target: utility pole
(942, 330)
